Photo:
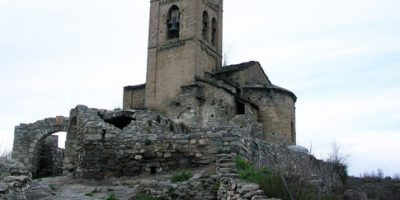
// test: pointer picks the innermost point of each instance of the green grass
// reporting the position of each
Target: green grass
(215, 188)
(172, 194)
(181, 176)
(90, 194)
(52, 187)
(111, 197)
(145, 197)
(147, 142)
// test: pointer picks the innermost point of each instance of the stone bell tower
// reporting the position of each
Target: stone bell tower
(185, 41)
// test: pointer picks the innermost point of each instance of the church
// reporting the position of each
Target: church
(191, 109)
(187, 82)
(192, 114)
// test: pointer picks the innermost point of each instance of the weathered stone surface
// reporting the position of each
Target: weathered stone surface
(14, 180)
(3, 188)
(250, 187)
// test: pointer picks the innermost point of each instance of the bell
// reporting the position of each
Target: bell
(174, 27)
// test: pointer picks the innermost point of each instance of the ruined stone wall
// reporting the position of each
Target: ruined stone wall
(146, 142)
(276, 113)
(103, 144)
(203, 187)
(211, 103)
(150, 142)
(222, 182)
(133, 97)
(14, 180)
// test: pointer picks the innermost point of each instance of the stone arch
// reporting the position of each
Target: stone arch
(28, 137)
(71, 154)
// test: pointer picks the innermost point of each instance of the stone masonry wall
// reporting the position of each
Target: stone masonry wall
(150, 143)
(231, 186)
(14, 180)
(133, 97)
(276, 113)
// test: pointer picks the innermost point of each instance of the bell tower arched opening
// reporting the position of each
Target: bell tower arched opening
(173, 22)
(205, 30)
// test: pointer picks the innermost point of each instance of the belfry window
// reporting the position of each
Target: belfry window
(205, 29)
(173, 24)
(214, 34)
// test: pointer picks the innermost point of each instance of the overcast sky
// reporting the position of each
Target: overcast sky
(340, 57)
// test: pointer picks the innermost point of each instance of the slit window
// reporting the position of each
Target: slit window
(240, 108)
(214, 33)
(205, 30)
(293, 132)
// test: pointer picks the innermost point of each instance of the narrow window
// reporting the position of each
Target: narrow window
(153, 170)
(214, 34)
(205, 26)
(293, 132)
(173, 22)
(240, 108)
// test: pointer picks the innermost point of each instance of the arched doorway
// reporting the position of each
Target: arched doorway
(30, 138)
(50, 154)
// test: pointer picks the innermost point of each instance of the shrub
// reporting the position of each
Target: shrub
(181, 176)
(215, 188)
(274, 184)
(158, 119)
(4, 154)
(145, 197)
(269, 181)
(242, 164)
(171, 193)
(90, 194)
(52, 187)
(338, 160)
(147, 142)
(112, 197)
